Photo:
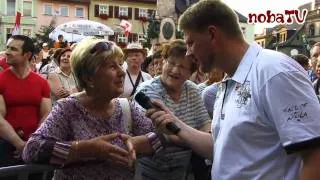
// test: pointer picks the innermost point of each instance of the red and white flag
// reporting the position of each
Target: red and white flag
(16, 29)
(126, 26)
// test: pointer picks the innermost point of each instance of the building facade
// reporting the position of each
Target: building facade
(8, 10)
(111, 12)
(56, 12)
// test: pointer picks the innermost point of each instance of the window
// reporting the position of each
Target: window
(103, 9)
(141, 38)
(11, 7)
(64, 11)
(27, 8)
(123, 11)
(262, 44)
(311, 30)
(143, 12)
(26, 32)
(9, 33)
(48, 10)
(122, 38)
(79, 12)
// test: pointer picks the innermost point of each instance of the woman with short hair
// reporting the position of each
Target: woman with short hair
(182, 97)
(83, 128)
(62, 81)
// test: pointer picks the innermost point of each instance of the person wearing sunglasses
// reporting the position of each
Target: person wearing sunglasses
(83, 130)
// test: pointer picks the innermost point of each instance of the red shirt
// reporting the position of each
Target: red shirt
(22, 99)
(3, 62)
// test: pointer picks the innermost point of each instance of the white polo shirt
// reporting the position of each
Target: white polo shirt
(267, 113)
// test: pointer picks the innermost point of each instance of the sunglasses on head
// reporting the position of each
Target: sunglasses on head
(101, 46)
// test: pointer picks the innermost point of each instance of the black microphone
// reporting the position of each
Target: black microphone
(146, 103)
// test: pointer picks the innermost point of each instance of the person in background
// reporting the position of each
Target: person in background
(24, 98)
(302, 60)
(82, 131)
(198, 77)
(61, 43)
(316, 83)
(43, 56)
(53, 64)
(157, 63)
(157, 47)
(182, 97)
(213, 76)
(62, 81)
(147, 66)
(266, 112)
(134, 55)
(211, 88)
(315, 57)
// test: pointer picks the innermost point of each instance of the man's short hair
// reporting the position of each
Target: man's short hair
(27, 46)
(60, 36)
(301, 59)
(210, 12)
(316, 44)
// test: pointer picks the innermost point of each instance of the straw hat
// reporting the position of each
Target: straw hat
(135, 47)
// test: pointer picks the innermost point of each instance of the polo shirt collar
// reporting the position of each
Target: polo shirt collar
(246, 62)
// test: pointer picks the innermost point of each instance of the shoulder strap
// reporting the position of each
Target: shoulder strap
(126, 111)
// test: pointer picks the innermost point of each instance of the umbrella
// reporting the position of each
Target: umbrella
(86, 28)
(67, 36)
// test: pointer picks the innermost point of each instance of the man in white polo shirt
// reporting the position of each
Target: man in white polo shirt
(266, 116)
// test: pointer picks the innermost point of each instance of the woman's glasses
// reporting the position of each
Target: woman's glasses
(101, 46)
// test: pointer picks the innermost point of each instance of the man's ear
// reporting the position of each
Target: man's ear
(212, 30)
(28, 56)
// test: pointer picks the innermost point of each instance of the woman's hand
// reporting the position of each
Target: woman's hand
(62, 93)
(101, 148)
(130, 141)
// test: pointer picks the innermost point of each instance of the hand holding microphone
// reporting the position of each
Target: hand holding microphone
(146, 103)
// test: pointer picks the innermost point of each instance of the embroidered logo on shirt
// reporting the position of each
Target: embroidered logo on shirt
(243, 94)
(296, 112)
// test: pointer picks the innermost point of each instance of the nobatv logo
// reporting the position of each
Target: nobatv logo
(288, 17)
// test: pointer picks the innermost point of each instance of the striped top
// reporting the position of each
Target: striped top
(190, 108)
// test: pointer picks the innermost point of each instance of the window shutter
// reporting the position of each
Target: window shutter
(96, 10)
(136, 13)
(111, 11)
(129, 13)
(116, 11)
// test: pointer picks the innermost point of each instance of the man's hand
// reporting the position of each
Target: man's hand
(161, 116)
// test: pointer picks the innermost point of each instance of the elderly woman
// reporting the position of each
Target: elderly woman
(83, 128)
(62, 81)
(182, 97)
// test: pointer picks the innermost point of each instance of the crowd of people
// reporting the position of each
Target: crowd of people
(241, 111)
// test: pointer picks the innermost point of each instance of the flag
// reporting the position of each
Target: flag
(126, 26)
(16, 29)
